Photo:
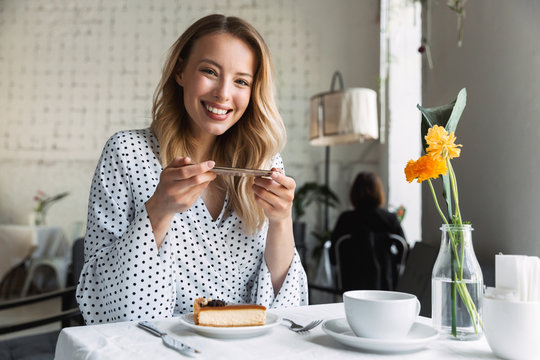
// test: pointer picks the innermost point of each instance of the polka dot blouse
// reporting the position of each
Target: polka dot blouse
(125, 276)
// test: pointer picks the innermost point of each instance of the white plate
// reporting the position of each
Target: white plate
(419, 336)
(232, 332)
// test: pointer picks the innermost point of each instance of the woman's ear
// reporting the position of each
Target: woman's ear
(178, 73)
(178, 78)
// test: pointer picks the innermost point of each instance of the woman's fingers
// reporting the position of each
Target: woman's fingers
(188, 197)
(182, 168)
(275, 195)
(279, 184)
(182, 182)
(179, 162)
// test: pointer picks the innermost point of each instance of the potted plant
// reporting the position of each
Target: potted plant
(43, 202)
(304, 196)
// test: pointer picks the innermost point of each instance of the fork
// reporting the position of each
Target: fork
(299, 328)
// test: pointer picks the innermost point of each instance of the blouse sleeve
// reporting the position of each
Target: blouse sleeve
(294, 290)
(124, 276)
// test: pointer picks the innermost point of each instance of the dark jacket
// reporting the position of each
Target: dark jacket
(366, 259)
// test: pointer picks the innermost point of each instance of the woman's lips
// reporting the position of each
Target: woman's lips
(216, 112)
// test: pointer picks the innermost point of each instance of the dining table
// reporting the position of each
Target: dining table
(125, 340)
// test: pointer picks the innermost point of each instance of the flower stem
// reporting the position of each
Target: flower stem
(450, 232)
(453, 184)
(454, 297)
(457, 216)
(436, 202)
(469, 305)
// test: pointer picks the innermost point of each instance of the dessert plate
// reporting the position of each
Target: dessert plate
(232, 332)
(417, 338)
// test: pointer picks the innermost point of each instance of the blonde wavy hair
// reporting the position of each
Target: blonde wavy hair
(252, 142)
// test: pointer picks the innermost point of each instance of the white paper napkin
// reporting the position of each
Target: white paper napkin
(517, 276)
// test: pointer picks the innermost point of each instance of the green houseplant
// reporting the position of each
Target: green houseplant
(43, 203)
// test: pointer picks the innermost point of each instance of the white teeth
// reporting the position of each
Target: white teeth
(215, 110)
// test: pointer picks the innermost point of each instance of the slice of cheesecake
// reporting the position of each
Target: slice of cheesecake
(217, 313)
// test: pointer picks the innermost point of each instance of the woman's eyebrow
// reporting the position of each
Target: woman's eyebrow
(212, 62)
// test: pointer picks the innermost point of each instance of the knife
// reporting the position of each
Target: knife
(169, 341)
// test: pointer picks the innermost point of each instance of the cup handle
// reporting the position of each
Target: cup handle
(418, 306)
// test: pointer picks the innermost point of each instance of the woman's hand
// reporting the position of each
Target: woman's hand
(179, 187)
(276, 196)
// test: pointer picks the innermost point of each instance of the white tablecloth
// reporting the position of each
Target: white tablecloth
(126, 341)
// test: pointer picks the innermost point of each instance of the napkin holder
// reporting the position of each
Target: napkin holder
(511, 310)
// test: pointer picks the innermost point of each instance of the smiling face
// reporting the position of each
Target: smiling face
(217, 80)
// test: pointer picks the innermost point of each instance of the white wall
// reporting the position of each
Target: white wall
(403, 123)
(74, 72)
(498, 171)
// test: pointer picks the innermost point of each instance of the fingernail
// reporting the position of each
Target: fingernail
(211, 163)
(274, 175)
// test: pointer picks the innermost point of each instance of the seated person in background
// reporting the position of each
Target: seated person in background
(367, 197)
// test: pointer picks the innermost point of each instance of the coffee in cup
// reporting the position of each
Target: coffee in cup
(380, 314)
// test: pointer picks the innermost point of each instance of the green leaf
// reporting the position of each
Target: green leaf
(459, 106)
(447, 193)
(312, 192)
(446, 116)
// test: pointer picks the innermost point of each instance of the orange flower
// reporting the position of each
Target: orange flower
(426, 167)
(441, 144)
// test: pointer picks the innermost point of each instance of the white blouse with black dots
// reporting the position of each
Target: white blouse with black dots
(125, 277)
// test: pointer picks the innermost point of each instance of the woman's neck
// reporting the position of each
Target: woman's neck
(203, 148)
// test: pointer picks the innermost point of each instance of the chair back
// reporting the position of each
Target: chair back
(416, 278)
(69, 301)
(370, 261)
(77, 255)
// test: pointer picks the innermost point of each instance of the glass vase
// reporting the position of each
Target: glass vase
(457, 286)
(39, 218)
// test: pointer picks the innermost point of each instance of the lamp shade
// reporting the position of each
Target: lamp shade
(341, 117)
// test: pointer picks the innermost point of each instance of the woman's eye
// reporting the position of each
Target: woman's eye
(209, 71)
(242, 82)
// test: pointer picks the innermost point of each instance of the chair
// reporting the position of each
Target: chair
(325, 279)
(52, 252)
(416, 278)
(373, 261)
(18, 243)
(42, 346)
(488, 272)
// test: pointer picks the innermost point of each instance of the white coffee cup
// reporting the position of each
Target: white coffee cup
(512, 328)
(380, 314)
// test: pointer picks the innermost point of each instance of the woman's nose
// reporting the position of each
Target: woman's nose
(222, 90)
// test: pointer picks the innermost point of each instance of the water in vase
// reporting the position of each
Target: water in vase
(441, 308)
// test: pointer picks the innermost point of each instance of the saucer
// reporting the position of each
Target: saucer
(417, 338)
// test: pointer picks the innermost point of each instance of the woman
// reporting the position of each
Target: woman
(163, 229)
(367, 198)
